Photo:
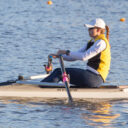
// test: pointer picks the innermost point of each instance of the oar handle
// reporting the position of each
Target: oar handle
(62, 63)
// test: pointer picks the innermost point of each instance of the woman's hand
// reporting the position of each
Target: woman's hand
(60, 52)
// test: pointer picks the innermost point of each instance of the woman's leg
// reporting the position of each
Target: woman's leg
(91, 79)
(84, 78)
(55, 76)
(78, 77)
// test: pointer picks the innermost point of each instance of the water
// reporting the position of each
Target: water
(32, 29)
(56, 115)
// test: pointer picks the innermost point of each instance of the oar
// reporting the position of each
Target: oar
(65, 79)
(21, 78)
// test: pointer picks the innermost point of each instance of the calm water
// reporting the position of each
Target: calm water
(80, 115)
(32, 29)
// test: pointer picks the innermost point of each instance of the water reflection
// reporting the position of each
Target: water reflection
(96, 114)
(99, 114)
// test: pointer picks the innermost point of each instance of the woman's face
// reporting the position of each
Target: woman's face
(93, 32)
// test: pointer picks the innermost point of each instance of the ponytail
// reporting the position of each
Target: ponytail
(107, 32)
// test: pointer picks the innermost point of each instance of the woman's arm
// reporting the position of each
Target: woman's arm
(69, 58)
(98, 46)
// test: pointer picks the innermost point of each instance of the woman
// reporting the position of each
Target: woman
(96, 51)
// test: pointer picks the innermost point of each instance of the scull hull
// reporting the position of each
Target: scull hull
(31, 91)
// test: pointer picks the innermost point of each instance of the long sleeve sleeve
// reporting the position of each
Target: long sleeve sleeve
(84, 54)
(70, 58)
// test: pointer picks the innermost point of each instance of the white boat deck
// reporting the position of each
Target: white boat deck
(32, 91)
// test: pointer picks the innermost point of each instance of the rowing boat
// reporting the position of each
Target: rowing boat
(26, 88)
(23, 87)
(49, 92)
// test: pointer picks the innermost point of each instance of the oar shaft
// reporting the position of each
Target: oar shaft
(68, 92)
(65, 79)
